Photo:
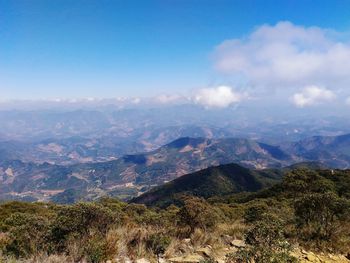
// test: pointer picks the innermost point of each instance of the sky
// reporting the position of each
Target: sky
(215, 53)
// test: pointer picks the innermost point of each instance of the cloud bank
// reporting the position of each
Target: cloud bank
(169, 99)
(312, 95)
(287, 56)
(218, 97)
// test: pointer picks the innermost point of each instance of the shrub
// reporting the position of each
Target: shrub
(316, 215)
(196, 212)
(78, 221)
(96, 250)
(301, 181)
(265, 243)
(255, 213)
(142, 215)
(27, 234)
(158, 243)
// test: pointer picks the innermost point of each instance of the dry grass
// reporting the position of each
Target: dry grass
(235, 229)
(177, 247)
(129, 241)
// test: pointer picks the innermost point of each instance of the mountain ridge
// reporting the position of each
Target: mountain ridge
(133, 174)
(213, 181)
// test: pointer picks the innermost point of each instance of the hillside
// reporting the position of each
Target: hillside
(302, 218)
(99, 147)
(132, 174)
(214, 181)
(333, 151)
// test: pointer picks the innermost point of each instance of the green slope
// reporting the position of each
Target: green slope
(214, 181)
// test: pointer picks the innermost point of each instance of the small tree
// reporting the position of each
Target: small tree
(316, 214)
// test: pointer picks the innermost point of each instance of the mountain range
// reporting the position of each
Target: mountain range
(134, 174)
(333, 151)
(100, 147)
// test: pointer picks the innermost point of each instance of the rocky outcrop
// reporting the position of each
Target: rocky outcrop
(311, 257)
(219, 255)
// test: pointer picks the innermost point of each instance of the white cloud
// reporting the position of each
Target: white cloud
(218, 97)
(135, 100)
(166, 99)
(286, 55)
(312, 95)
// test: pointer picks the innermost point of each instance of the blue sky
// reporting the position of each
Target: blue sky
(72, 49)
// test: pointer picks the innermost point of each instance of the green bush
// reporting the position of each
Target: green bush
(197, 213)
(255, 213)
(96, 250)
(28, 234)
(158, 243)
(266, 243)
(301, 181)
(317, 214)
(142, 215)
(80, 220)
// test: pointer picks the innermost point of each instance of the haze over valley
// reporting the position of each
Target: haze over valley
(66, 156)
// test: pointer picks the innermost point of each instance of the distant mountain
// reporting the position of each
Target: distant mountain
(156, 125)
(131, 175)
(100, 147)
(214, 181)
(332, 151)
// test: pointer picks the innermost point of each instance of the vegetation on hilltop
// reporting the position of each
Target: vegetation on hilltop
(309, 208)
(215, 181)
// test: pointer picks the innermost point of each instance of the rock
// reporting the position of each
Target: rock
(193, 258)
(312, 258)
(237, 243)
(142, 260)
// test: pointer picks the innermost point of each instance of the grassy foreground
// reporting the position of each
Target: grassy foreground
(309, 210)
